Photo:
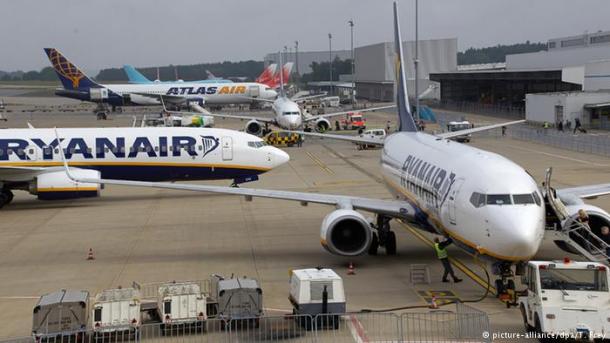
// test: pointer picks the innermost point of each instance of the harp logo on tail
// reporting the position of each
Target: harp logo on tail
(210, 143)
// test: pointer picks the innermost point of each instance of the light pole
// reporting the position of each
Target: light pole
(296, 55)
(351, 27)
(416, 62)
(330, 63)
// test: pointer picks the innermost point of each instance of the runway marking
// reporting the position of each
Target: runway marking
(457, 263)
(562, 157)
(357, 330)
(320, 164)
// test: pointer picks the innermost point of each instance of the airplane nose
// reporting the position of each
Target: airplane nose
(278, 157)
(520, 235)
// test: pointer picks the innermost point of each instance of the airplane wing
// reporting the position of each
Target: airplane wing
(586, 192)
(303, 98)
(233, 116)
(452, 134)
(353, 139)
(174, 99)
(328, 115)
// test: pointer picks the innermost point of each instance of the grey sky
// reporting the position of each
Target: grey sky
(109, 33)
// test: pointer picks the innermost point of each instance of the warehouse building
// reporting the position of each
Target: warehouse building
(591, 108)
(375, 67)
(571, 64)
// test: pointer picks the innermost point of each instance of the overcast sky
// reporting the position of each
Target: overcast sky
(110, 33)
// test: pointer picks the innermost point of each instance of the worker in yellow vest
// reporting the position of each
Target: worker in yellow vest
(441, 253)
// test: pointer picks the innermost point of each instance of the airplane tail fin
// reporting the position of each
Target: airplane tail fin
(266, 77)
(287, 70)
(134, 75)
(210, 75)
(407, 124)
(70, 76)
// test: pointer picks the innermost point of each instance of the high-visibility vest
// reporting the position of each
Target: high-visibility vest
(440, 252)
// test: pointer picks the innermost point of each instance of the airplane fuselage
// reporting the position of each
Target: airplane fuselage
(148, 94)
(147, 154)
(441, 179)
(287, 113)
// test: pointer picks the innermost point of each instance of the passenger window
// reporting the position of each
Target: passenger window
(1, 152)
(156, 148)
(108, 150)
(200, 147)
(89, 150)
(31, 151)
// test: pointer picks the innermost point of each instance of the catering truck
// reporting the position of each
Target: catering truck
(566, 299)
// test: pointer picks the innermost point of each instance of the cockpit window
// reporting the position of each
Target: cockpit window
(257, 144)
(477, 199)
(522, 199)
(498, 199)
(291, 113)
(537, 198)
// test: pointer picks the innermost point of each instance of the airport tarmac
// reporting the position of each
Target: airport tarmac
(148, 235)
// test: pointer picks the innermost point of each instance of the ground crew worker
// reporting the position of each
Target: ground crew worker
(441, 253)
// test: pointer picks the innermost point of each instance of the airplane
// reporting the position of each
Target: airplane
(490, 206)
(286, 72)
(29, 158)
(135, 77)
(268, 74)
(287, 113)
(77, 85)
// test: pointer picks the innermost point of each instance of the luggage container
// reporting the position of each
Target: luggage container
(61, 316)
(182, 308)
(240, 301)
(116, 312)
(317, 291)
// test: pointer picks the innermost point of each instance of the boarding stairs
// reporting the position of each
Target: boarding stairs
(575, 234)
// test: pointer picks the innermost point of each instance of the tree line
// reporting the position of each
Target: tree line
(497, 53)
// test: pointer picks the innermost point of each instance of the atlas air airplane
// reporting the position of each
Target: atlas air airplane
(489, 205)
(30, 158)
(77, 85)
(134, 76)
(287, 113)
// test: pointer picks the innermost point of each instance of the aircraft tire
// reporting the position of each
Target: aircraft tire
(374, 245)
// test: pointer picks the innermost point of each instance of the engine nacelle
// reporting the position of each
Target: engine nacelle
(57, 185)
(254, 127)
(597, 219)
(322, 125)
(346, 233)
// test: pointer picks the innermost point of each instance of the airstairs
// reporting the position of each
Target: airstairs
(576, 235)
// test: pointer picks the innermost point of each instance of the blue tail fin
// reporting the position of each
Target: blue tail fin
(134, 75)
(407, 123)
(70, 76)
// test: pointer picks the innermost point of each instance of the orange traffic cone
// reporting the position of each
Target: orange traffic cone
(433, 303)
(350, 269)
(90, 256)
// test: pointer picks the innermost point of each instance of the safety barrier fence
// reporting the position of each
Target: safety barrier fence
(597, 144)
(461, 323)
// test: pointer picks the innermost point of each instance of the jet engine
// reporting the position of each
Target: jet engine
(346, 233)
(254, 127)
(322, 125)
(598, 218)
(56, 185)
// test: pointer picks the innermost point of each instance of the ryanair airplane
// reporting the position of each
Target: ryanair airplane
(489, 205)
(30, 159)
(77, 85)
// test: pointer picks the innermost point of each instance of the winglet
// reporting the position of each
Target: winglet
(63, 157)
(407, 124)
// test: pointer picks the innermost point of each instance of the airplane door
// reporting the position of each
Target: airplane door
(227, 148)
(452, 200)
(254, 91)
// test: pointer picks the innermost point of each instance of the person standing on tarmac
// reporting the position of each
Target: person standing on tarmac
(443, 256)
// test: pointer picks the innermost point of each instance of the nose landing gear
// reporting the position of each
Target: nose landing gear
(384, 236)
(505, 284)
(6, 196)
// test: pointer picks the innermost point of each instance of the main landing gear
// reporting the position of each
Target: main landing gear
(384, 236)
(6, 196)
(505, 285)
(101, 111)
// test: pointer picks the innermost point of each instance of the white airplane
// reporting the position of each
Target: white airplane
(287, 113)
(489, 205)
(77, 85)
(30, 160)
